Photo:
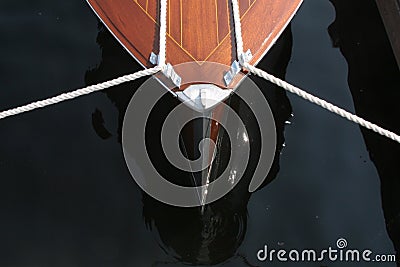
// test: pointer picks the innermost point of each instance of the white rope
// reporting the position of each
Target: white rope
(322, 103)
(79, 92)
(313, 99)
(238, 27)
(162, 58)
(163, 33)
(104, 85)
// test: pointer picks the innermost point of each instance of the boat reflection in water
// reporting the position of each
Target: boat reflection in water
(374, 84)
(211, 234)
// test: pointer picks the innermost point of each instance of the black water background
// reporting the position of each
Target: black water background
(66, 199)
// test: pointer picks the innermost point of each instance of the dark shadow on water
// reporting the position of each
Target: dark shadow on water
(189, 236)
(374, 81)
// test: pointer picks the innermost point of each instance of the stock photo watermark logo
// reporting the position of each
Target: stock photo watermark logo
(339, 253)
(153, 183)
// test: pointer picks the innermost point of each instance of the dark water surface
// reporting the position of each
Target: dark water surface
(67, 198)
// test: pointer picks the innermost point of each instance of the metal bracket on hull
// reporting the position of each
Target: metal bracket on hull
(168, 70)
(245, 57)
(236, 67)
(230, 75)
(203, 97)
(153, 59)
(170, 73)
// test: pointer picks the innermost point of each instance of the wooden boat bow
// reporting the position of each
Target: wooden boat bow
(201, 48)
(197, 31)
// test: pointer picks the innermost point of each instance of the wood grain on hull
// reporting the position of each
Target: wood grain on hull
(196, 30)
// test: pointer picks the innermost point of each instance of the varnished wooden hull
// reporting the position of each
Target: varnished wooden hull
(201, 44)
(197, 31)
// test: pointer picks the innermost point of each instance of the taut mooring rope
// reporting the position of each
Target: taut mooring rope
(163, 34)
(238, 27)
(161, 64)
(322, 103)
(295, 90)
(79, 92)
(101, 86)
